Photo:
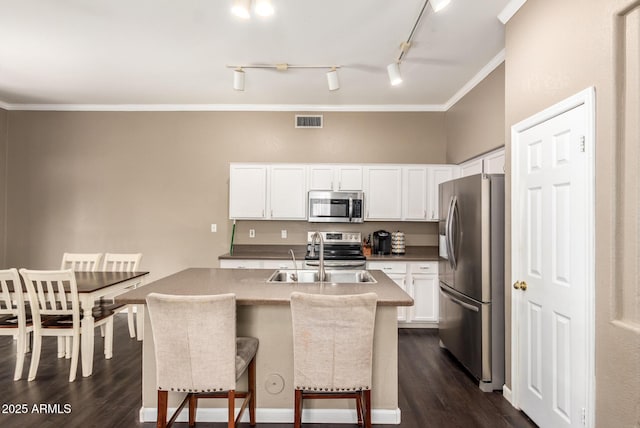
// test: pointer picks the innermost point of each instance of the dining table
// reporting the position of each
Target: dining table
(93, 286)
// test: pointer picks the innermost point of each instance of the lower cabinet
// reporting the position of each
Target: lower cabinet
(420, 281)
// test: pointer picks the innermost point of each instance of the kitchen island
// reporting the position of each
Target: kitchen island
(263, 312)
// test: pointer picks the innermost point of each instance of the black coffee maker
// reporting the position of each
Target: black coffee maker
(381, 242)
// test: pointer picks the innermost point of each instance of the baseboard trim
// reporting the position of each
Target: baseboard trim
(341, 416)
(506, 393)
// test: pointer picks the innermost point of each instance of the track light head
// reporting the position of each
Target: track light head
(438, 5)
(238, 79)
(332, 79)
(240, 8)
(393, 70)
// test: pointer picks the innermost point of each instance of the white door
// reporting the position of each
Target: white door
(552, 264)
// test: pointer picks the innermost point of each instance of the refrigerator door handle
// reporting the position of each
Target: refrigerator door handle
(453, 208)
(458, 302)
(447, 233)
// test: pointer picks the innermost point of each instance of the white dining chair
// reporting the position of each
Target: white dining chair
(333, 350)
(125, 262)
(81, 262)
(198, 354)
(15, 320)
(55, 310)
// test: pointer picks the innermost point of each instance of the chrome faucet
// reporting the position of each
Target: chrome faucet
(295, 266)
(320, 255)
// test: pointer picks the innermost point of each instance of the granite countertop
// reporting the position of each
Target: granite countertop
(281, 252)
(251, 288)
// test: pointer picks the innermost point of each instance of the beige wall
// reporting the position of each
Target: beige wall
(554, 50)
(3, 184)
(475, 124)
(154, 181)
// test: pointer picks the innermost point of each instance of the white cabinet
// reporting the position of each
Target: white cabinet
(259, 264)
(420, 281)
(397, 271)
(240, 264)
(489, 163)
(248, 191)
(423, 287)
(259, 192)
(471, 167)
(436, 175)
(383, 192)
(415, 194)
(335, 177)
(288, 192)
(493, 163)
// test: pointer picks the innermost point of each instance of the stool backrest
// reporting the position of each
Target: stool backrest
(195, 341)
(81, 262)
(332, 341)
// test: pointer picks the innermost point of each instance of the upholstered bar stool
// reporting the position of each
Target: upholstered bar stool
(333, 349)
(197, 353)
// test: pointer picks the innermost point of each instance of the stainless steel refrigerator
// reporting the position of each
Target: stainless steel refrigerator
(471, 273)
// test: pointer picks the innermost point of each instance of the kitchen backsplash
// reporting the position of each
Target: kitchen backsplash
(270, 232)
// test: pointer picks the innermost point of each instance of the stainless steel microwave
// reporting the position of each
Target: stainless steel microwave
(336, 207)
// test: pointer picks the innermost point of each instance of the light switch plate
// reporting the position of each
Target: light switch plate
(214, 228)
(252, 233)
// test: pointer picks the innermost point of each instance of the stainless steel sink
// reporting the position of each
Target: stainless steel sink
(333, 276)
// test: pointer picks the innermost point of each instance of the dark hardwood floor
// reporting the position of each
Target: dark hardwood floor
(434, 390)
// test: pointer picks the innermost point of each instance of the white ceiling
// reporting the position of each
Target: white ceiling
(172, 54)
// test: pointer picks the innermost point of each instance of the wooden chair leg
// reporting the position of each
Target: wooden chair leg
(231, 397)
(193, 404)
(359, 400)
(163, 397)
(252, 391)
(297, 409)
(367, 408)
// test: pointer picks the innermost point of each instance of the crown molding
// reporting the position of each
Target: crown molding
(510, 9)
(227, 107)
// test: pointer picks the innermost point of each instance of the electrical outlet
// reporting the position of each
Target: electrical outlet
(283, 234)
(214, 228)
(252, 233)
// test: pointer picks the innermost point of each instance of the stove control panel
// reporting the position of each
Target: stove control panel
(337, 237)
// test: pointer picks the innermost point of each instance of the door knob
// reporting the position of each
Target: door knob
(520, 285)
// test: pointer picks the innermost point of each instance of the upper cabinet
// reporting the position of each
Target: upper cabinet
(438, 174)
(335, 177)
(383, 192)
(288, 192)
(260, 192)
(248, 191)
(489, 163)
(415, 193)
(391, 192)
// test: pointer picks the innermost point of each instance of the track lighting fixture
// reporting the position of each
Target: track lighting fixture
(438, 5)
(393, 69)
(238, 73)
(238, 79)
(242, 8)
(332, 79)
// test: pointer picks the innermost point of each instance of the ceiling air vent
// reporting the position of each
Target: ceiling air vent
(308, 121)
